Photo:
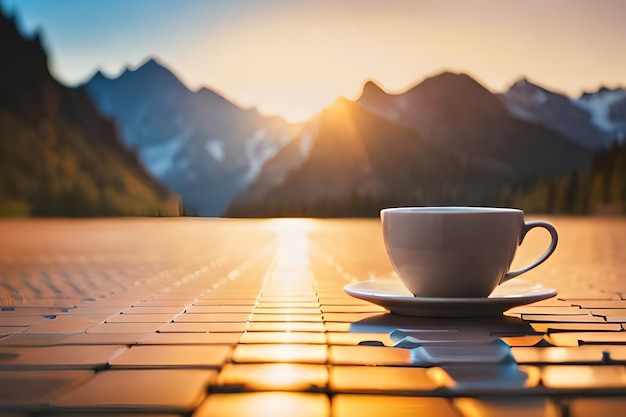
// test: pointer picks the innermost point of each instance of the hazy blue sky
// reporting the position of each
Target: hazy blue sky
(292, 57)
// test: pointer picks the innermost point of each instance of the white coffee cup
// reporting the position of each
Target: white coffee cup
(451, 252)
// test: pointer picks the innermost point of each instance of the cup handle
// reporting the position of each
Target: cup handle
(551, 248)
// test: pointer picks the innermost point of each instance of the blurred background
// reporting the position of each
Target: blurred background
(310, 108)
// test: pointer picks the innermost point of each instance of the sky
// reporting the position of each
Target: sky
(294, 57)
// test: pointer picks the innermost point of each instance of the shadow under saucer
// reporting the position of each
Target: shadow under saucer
(463, 355)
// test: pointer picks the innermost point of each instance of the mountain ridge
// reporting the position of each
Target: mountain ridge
(198, 143)
(456, 111)
(584, 120)
(447, 141)
(58, 156)
(359, 161)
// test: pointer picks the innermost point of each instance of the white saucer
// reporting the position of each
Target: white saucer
(392, 295)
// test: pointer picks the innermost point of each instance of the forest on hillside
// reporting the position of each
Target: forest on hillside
(599, 191)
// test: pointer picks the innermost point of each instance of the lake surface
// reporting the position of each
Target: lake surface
(68, 262)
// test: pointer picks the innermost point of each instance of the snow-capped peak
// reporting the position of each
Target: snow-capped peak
(599, 105)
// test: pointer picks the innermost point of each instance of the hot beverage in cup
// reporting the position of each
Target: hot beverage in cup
(452, 252)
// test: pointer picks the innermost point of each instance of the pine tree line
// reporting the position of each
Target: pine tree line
(602, 190)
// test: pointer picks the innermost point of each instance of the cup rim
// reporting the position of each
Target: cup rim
(450, 210)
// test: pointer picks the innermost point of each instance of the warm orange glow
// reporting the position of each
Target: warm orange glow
(276, 404)
(350, 144)
(293, 244)
(311, 54)
(296, 57)
(283, 376)
(288, 227)
(441, 377)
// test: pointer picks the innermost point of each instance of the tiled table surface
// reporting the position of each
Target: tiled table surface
(248, 318)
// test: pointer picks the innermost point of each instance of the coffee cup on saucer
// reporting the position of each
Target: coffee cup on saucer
(457, 252)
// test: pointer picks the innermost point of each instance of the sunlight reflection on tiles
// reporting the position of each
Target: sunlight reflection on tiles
(510, 407)
(582, 354)
(289, 353)
(275, 404)
(380, 379)
(279, 376)
(603, 406)
(348, 405)
(283, 337)
(584, 376)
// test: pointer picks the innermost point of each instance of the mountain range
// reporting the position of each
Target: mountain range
(594, 120)
(118, 145)
(352, 161)
(58, 155)
(198, 144)
(447, 141)
(222, 158)
(455, 111)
